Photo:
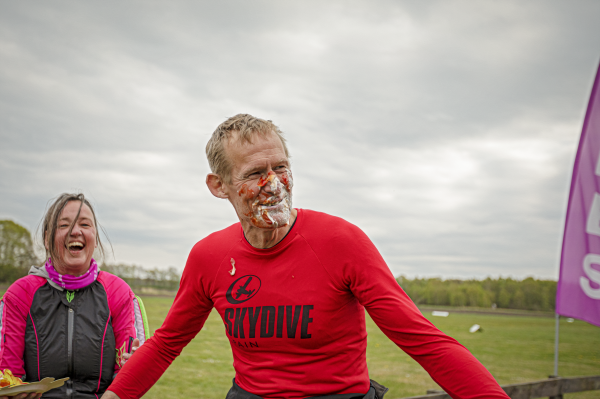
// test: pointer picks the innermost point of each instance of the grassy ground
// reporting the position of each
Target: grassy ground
(514, 348)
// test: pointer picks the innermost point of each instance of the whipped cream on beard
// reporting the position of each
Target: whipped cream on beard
(273, 210)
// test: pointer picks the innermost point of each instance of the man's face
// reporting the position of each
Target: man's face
(261, 181)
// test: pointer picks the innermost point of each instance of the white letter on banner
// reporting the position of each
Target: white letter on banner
(593, 274)
(593, 220)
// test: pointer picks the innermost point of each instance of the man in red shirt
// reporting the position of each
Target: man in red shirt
(291, 286)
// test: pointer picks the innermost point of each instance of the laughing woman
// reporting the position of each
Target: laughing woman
(67, 318)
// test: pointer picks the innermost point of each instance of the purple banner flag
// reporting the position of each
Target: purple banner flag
(578, 291)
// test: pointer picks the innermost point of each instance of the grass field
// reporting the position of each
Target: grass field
(514, 348)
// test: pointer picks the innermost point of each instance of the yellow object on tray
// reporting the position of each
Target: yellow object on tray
(8, 379)
(12, 386)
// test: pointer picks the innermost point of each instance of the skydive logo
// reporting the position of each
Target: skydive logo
(262, 321)
(243, 289)
(269, 321)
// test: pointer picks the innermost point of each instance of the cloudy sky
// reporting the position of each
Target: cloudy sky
(446, 130)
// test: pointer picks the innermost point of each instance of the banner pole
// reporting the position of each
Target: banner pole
(556, 346)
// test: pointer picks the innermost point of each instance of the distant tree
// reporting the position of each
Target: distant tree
(503, 299)
(518, 300)
(138, 276)
(16, 251)
(476, 295)
(457, 297)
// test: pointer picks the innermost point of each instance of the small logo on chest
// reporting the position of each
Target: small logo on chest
(243, 289)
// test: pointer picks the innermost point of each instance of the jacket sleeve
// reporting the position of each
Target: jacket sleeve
(12, 335)
(361, 269)
(14, 311)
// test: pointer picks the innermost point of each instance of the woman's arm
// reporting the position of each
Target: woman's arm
(13, 318)
(3, 325)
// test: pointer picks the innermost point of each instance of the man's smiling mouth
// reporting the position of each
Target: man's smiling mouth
(271, 202)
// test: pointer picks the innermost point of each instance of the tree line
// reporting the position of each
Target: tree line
(527, 294)
(138, 276)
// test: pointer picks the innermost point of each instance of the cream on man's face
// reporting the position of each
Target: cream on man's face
(261, 182)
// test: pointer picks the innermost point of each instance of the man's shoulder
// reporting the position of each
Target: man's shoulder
(323, 226)
(318, 220)
(339, 244)
(218, 241)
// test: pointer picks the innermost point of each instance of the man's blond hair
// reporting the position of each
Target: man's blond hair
(245, 127)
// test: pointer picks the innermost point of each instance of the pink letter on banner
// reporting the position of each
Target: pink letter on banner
(578, 292)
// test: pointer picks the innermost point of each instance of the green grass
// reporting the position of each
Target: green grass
(515, 349)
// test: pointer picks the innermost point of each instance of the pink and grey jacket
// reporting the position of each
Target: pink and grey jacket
(49, 332)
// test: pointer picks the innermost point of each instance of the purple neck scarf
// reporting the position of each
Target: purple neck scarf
(69, 282)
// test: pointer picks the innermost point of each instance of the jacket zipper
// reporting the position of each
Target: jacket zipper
(70, 352)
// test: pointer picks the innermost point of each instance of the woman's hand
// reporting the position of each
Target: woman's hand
(126, 356)
(32, 395)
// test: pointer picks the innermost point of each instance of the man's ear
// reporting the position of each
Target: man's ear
(216, 186)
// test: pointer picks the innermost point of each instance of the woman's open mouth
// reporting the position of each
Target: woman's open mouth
(75, 247)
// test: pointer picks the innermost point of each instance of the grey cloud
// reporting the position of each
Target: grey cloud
(405, 118)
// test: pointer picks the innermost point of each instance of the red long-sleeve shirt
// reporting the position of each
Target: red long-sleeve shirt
(294, 316)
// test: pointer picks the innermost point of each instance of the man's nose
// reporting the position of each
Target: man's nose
(272, 184)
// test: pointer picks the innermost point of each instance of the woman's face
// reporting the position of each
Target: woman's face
(75, 250)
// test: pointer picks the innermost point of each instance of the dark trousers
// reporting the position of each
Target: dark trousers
(376, 391)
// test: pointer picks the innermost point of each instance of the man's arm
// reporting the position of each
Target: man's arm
(185, 319)
(449, 363)
(362, 269)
